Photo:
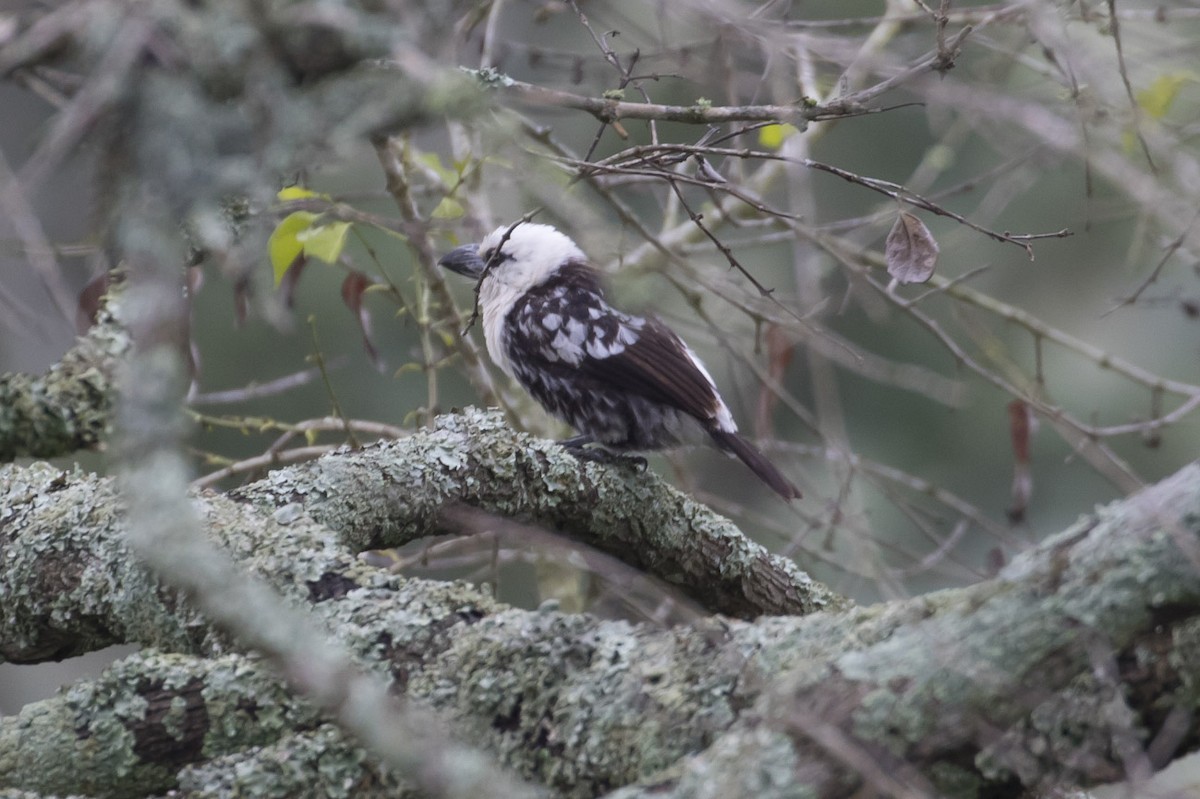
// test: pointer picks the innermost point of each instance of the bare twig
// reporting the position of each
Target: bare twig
(493, 260)
(1123, 70)
(270, 388)
(38, 249)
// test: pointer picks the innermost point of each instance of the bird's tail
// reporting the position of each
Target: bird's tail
(758, 463)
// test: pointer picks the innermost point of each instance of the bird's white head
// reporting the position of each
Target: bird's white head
(530, 254)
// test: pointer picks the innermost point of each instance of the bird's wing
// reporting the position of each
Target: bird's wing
(658, 366)
(571, 331)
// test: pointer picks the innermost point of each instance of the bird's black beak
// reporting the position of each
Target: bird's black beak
(464, 260)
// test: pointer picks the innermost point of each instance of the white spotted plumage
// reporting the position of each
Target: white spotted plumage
(623, 381)
(533, 253)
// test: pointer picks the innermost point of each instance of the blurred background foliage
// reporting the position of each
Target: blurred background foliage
(877, 420)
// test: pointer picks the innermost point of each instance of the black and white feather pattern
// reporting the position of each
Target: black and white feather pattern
(624, 381)
(628, 382)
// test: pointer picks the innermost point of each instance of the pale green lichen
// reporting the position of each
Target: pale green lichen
(490, 77)
(474, 457)
(70, 406)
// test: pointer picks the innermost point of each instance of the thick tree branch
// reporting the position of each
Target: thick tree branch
(85, 591)
(1066, 669)
(476, 459)
(998, 686)
(69, 407)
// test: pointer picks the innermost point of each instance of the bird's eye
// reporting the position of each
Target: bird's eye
(487, 256)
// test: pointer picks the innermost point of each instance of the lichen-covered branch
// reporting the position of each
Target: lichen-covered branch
(69, 407)
(70, 584)
(129, 732)
(1083, 650)
(1075, 666)
(477, 459)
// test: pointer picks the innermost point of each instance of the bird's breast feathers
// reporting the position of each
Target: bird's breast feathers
(569, 323)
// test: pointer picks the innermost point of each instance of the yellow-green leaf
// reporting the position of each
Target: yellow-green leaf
(448, 208)
(434, 162)
(324, 241)
(408, 368)
(1157, 99)
(284, 245)
(296, 193)
(773, 136)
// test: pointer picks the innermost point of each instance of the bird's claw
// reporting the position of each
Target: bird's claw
(636, 462)
(604, 456)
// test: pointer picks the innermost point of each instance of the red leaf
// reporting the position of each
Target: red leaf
(241, 301)
(352, 295)
(1020, 428)
(89, 303)
(780, 349)
(995, 561)
(291, 279)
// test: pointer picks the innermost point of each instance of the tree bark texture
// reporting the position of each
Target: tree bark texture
(1074, 665)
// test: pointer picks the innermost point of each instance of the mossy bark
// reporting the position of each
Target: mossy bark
(1049, 674)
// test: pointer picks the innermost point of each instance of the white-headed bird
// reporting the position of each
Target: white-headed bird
(624, 382)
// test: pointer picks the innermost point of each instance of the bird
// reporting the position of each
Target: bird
(626, 383)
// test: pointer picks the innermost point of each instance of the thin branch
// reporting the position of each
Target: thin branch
(493, 260)
(38, 249)
(393, 166)
(271, 388)
(319, 357)
(1123, 70)
(262, 462)
(1170, 250)
(647, 153)
(610, 109)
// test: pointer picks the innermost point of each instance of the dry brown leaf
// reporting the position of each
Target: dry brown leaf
(911, 250)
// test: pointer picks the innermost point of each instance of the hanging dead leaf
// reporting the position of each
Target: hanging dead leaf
(1021, 424)
(291, 280)
(89, 303)
(780, 349)
(352, 295)
(1020, 428)
(911, 250)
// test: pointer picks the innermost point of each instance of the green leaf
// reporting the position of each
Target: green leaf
(434, 162)
(1157, 99)
(285, 246)
(448, 208)
(773, 136)
(324, 241)
(408, 368)
(296, 193)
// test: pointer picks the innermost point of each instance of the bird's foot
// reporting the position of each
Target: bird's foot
(599, 454)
